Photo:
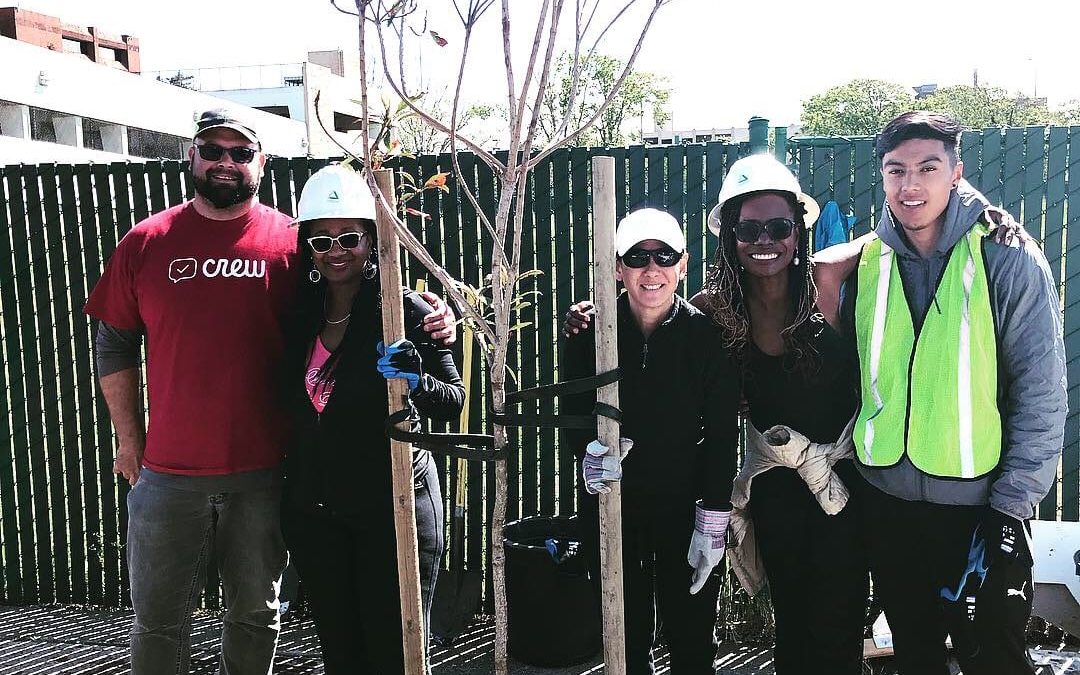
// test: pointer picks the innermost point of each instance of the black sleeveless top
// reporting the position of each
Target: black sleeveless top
(818, 404)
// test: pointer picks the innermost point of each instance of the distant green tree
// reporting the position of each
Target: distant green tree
(598, 75)
(858, 108)
(1068, 114)
(980, 107)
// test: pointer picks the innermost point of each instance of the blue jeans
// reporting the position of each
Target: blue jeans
(174, 523)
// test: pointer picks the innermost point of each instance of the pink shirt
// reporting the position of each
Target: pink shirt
(318, 392)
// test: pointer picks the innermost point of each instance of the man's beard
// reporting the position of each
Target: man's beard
(222, 196)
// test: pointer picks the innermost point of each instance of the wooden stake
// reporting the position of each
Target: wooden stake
(393, 329)
(607, 358)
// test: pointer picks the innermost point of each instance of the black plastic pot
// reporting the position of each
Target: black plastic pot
(552, 607)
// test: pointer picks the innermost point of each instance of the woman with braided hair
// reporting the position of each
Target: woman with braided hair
(799, 376)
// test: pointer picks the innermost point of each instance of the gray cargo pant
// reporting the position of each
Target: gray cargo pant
(174, 524)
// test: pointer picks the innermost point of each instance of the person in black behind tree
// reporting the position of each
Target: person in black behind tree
(338, 516)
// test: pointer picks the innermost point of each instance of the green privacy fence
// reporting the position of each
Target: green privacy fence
(62, 513)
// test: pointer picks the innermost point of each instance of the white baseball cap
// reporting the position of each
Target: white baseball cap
(638, 226)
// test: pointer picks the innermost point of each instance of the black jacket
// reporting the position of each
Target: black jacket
(679, 396)
(339, 460)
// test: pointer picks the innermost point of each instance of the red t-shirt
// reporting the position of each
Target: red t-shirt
(212, 298)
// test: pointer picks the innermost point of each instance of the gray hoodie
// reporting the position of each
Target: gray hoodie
(1031, 356)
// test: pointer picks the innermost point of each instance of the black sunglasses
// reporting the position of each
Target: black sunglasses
(323, 243)
(749, 231)
(639, 257)
(212, 152)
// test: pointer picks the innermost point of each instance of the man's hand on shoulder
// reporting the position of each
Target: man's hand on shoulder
(1004, 229)
(441, 323)
(578, 317)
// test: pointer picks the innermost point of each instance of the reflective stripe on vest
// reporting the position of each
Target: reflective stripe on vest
(935, 398)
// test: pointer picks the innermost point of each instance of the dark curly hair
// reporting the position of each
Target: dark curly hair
(725, 288)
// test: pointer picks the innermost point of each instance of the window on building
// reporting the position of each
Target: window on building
(41, 126)
(665, 141)
(107, 55)
(279, 110)
(72, 46)
(345, 123)
(91, 133)
(154, 144)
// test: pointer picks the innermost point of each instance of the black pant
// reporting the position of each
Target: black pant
(918, 548)
(348, 571)
(817, 573)
(656, 582)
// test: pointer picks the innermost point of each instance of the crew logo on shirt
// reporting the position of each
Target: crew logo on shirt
(188, 268)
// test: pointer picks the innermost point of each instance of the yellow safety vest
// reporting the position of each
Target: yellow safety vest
(934, 398)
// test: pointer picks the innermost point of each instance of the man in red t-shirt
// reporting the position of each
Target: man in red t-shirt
(209, 282)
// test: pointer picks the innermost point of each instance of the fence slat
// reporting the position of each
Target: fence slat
(33, 551)
(1070, 463)
(543, 318)
(93, 261)
(696, 208)
(865, 170)
(46, 436)
(17, 570)
(81, 386)
(990, 177)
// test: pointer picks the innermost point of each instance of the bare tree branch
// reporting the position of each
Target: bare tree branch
(612, 93)
(515, 129)
(398, 88)
(473, 14)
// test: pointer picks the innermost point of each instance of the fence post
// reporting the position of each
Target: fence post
(759, 134)
(780, 144)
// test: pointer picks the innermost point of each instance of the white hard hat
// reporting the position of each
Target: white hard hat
(335, 191)
(758, 173)
(637, 226)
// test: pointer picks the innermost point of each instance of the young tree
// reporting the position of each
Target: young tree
(393, 24)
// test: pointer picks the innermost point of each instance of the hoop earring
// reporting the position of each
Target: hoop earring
(314, 276)
(370, 270)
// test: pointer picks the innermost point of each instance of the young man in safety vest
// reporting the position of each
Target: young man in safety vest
(962, 373)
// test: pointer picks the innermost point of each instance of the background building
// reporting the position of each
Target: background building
(74, 94)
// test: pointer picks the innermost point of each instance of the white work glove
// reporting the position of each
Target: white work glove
(599, 468)
(707, 544)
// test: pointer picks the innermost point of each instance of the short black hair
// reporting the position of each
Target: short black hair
(917, 124)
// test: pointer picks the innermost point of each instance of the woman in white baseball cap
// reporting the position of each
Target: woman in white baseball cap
(799, 378)
(337, 513)
(679, 401)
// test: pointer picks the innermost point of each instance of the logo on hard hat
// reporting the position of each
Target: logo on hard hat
(743, 178)
(333, 196)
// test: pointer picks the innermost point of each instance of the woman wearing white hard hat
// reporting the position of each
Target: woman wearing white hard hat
(800, 381)
(338, 508)
(679, 401)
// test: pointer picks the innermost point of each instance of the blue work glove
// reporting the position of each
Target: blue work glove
(599, 468)
(707, 545)
(401, 361)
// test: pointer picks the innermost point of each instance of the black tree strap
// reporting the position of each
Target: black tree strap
(466, 446)
(578, 386)
(482, 446)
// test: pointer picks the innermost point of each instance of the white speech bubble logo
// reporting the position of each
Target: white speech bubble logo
(182, 268)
